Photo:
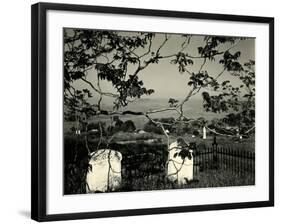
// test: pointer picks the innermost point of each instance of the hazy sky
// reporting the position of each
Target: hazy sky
(165, 78)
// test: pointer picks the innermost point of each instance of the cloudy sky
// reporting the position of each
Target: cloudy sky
(165, 78)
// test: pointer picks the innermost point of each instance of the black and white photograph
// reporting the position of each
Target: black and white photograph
(146, 111)
(140, 111)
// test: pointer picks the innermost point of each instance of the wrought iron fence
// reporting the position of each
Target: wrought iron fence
(214, 157)
(239, 161)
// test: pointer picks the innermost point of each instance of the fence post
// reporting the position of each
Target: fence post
(215, 155)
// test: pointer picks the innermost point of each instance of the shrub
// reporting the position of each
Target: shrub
(150, 127)
(196, 132)
(128, 126)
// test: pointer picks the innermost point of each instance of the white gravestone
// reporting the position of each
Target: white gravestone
(106, 171)
(180, 170)
(204, 133)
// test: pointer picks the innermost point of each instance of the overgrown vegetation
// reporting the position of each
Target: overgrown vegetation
(148, 165)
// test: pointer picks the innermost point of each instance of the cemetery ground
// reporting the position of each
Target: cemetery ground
(145, 153)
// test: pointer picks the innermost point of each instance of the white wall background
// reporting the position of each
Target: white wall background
(15, 110)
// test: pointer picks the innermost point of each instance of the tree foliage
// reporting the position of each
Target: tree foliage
(120, 57)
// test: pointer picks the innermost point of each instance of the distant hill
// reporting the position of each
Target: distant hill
(192, 109)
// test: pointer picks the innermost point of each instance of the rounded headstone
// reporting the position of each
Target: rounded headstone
(105, 172)
(179, 169)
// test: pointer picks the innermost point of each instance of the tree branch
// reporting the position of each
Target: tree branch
(98, 91)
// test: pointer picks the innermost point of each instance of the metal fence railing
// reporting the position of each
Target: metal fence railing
(215, 157)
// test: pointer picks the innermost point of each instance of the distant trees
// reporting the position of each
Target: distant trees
(119, 125)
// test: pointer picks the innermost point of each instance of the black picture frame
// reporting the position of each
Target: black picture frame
(39, 107)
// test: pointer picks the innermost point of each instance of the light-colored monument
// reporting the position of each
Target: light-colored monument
(105, 174)
(179, 169)
(204, 133)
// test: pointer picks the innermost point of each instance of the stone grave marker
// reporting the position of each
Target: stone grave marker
(105, 174)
